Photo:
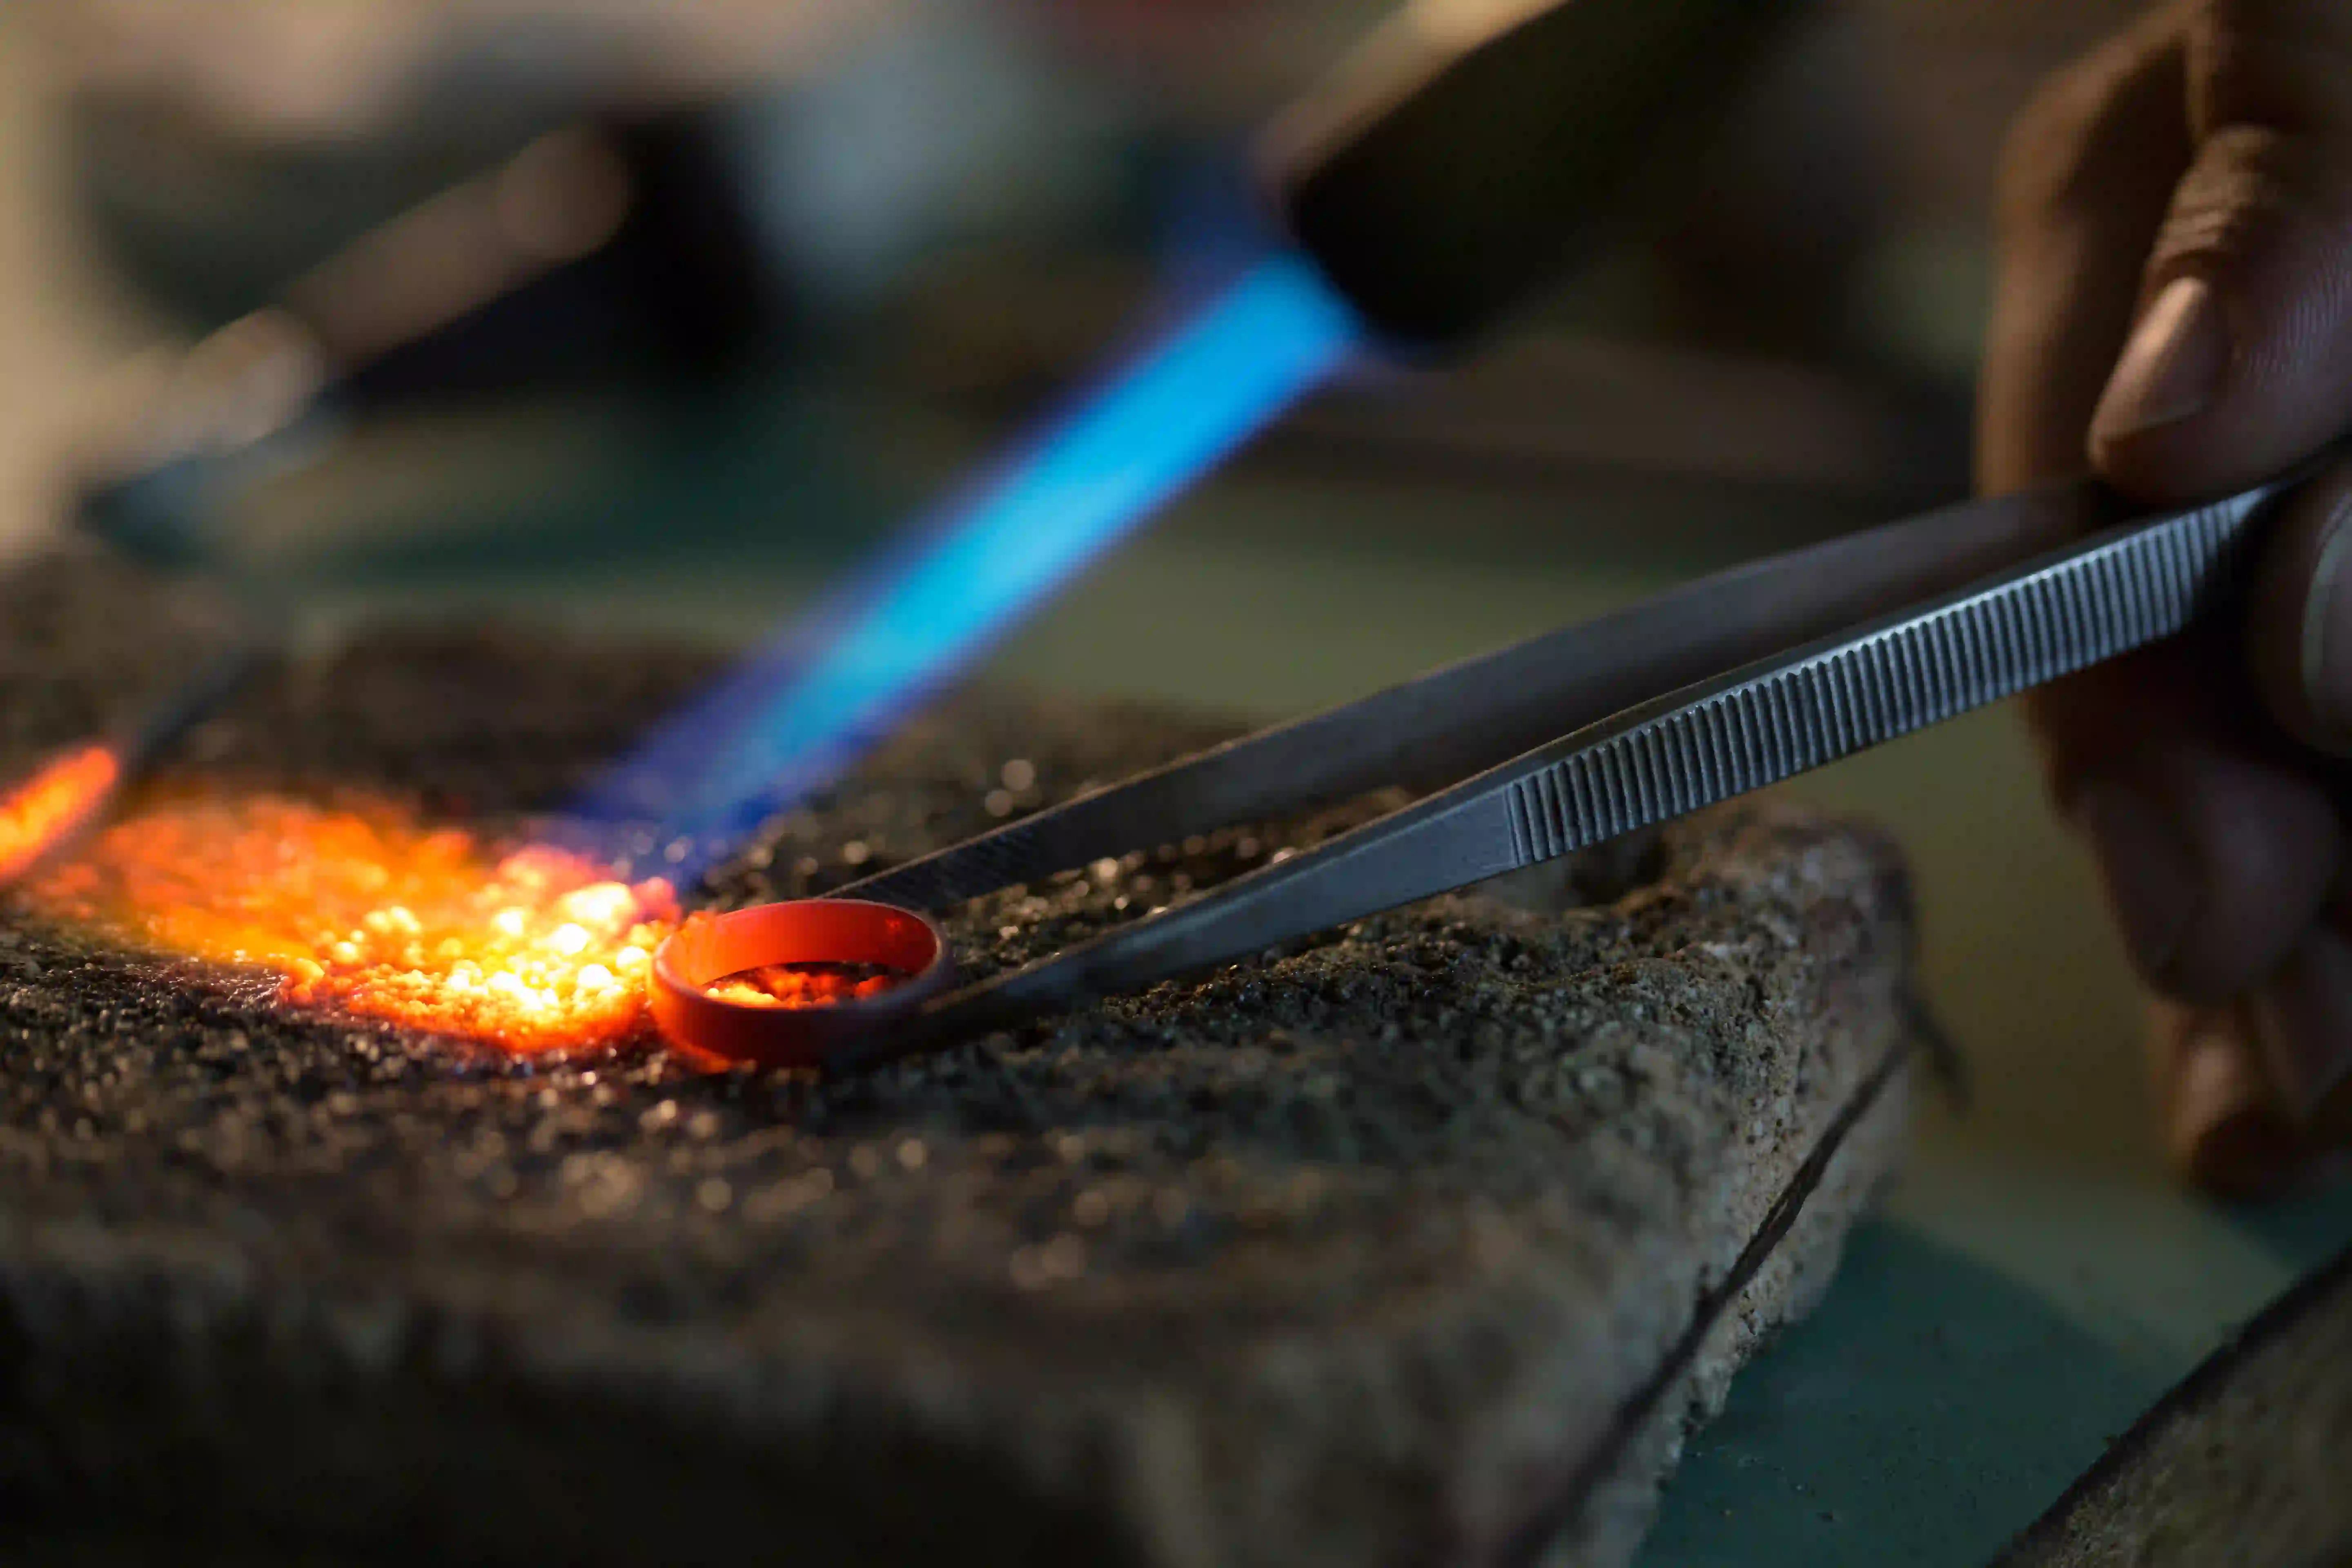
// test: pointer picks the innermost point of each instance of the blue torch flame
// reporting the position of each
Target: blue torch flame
(792, 718)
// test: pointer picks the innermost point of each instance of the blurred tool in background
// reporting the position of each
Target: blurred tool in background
(1453, 168)
(944, 206)
(596, 231)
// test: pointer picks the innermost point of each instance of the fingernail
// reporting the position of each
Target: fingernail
(2224, 1133)
(2327, 659)
(2150, 874)
(2172, 366)
(2302, 1021)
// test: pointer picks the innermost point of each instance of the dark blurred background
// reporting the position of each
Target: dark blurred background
(782, 271)
(873, 235)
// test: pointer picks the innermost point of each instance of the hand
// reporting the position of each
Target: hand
(2175, 305)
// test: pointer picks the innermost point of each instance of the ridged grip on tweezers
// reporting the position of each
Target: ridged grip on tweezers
(1462, 721)
(1756, 727)
(1695, 745)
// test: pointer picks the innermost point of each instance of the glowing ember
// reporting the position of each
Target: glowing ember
(362, 908)
(51, 803)
(802, 985)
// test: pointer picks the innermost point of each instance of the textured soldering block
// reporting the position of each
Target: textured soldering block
(1375, 1251)
(2243, 1462)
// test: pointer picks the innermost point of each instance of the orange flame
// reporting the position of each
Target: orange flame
(51, 803)
(362, 908)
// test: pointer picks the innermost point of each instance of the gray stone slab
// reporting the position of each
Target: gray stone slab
(1425, 1240)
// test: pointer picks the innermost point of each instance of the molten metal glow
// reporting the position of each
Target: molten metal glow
(51, 803)
(800, 986)
(362, 908)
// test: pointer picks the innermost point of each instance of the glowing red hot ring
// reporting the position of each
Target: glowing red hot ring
(709, 948)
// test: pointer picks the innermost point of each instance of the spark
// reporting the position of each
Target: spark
(51, 803)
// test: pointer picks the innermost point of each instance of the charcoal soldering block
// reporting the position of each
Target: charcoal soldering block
(1424, 1240)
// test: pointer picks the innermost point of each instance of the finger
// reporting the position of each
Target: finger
(2215, 846)
(2086, 177)
(2221, 1129)
(2299, 622)
(2213, 858)
(2213, 864)
(2255, 1092)
(2240, 363)
(2301, 1026)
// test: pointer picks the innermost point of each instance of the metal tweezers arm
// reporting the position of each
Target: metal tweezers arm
(1729, 685)
(1463, 719)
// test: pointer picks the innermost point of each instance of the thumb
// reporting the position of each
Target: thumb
(2299, 614)
(2240, 364)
